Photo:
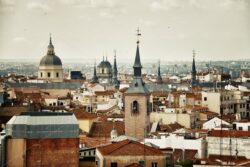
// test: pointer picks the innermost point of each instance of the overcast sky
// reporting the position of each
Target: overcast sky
(83, 29)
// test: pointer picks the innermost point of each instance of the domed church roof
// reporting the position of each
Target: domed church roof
(105, 64)
(50, 58)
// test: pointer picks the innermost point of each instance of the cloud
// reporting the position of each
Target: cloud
(7, 5)
(161, 5)
(234, 4)
(38, 6)
(147, 22)
(19, 39)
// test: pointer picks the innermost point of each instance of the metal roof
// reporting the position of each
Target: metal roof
(55, 85)
(43, 125)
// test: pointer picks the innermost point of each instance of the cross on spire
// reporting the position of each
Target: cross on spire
(50, 40)
(194, 53)
(138, 35)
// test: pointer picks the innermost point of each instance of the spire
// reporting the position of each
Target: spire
(137, 85)
(137, 64)
(193, 81)
(50, 40)
(115, 66)
(159, 79)
(50, 47)
(115, 81)
(94, 78)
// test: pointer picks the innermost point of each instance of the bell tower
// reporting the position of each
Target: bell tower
(137, 105)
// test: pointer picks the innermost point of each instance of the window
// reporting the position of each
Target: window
(248, 128)
(154, 164)
(113, 164)
(240, 128)
(57, 75)
(205, 98)
(41, 74)
(141, 162)
(134, 107)
(48, 74)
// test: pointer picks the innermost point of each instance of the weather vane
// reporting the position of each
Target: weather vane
(138, 35)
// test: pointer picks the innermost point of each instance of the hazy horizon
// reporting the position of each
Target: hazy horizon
(91, 29)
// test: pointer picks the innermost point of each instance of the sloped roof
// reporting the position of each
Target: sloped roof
(128, 147)
(103, 129)
(134, 165)
(54, 85)
(43, 125)
(227, 133)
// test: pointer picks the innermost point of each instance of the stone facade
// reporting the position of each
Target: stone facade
(136, 124)
(53, 73)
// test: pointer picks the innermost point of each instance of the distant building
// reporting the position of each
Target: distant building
(77, 75)
(50, 67)
(231, 142)
(41, 139)
(127, 152)
(104, 71)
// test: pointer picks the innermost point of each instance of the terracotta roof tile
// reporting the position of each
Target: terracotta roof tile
(134, 165)
(227, 133)
(103, 129)
(128, 147)
(80, 114)
(170, 127)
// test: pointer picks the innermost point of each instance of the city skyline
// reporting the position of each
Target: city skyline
(217, 30)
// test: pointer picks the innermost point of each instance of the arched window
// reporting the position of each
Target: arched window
(134, 107)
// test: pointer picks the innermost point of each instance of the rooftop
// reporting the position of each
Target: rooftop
(128, 147)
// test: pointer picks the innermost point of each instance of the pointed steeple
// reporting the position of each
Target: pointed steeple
(159, 79)
(50, 47)
(94, 78)
(137, 64)
(137, 85)
(193, 73)
(115, 81)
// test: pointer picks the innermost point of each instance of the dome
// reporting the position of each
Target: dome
(105, 64)
(50, 60)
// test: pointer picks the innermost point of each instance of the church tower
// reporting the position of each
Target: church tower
(159, 78)
(137, 106)
(94, 78)
(193, 73)
(115, 81)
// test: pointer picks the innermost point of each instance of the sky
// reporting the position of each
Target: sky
(90, 29)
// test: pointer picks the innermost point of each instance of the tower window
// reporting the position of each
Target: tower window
(134, 107)
(102, 71)
(41, 74)
(48, 74)
(113, 164)
(57, 74)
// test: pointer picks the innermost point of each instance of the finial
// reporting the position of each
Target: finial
(138, 34)
(50, 40)
(194, 53)
(114, 53)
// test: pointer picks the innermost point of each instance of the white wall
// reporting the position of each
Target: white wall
(178, 142)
